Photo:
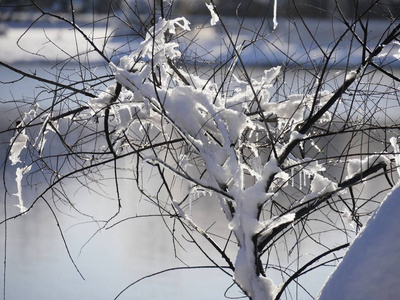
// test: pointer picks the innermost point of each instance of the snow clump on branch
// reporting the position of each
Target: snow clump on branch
(218, 127)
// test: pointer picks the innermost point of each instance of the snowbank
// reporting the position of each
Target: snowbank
(210, 43)
(371, 266)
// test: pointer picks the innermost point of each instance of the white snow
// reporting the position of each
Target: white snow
(19, 140)
(214, 17)
(293, 110)
(275, 18)
(351, 75)
(371, 267)
(213, 123)
(19, 175)
(295, 136)
(275, 222)
(355, 166)
(263, 288)
(347, 217)
(396, 148)
(320, 185)
(102, 100)
(18, 143)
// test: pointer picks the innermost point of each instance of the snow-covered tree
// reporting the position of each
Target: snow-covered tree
(285, 152)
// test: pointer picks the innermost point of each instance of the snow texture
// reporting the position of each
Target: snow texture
(396, 148)
(102, 100)
(214, 17)
(320, 185)
(356, 166)
(351, 75)
(347, 217)
(275, 18)
(263, 288)
(19, 175)
(371, 267)
(295, 109)
(18, 143)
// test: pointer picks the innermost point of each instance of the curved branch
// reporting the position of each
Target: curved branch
(303, 268)
(156, 160)
(107, 115)
(164, 271)
(63, 238)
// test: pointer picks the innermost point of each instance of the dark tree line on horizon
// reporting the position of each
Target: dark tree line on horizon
(252, 8)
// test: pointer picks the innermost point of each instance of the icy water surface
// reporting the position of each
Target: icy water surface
(37, 261)
(37, 264)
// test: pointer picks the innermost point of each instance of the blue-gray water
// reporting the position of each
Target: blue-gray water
(37, 262)
(38, 265)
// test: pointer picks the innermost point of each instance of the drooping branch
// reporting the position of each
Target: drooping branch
(305, 266)
(114, 98)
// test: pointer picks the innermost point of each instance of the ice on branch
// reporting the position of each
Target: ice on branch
(214, 17)
(397, 55)
(357, 166)
(155, 46)
(320, 185)
(273, 223)
(295, 109)
(262, 288)
(218, 127)
(19, 175)
(396, 148)
(103, 100)
(275, 18)
(18, 143)
(347, 217)
(351, 75)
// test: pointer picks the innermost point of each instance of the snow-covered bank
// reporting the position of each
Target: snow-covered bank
(51, 44)
(290, 44)
(371, 267)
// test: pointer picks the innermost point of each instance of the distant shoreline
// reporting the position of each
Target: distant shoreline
(211, 46)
